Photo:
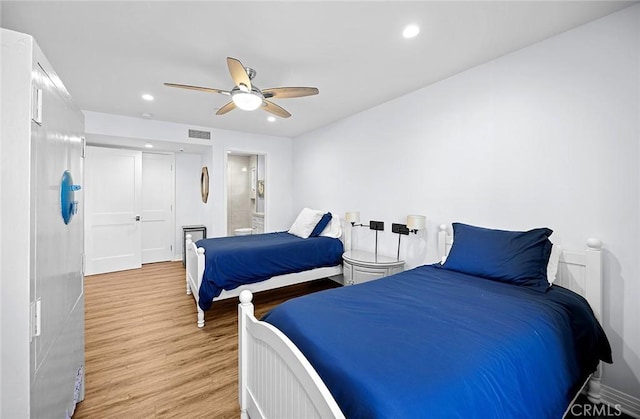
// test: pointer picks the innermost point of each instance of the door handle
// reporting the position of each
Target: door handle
(137, 218)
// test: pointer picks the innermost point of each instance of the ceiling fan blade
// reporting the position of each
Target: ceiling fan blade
(226, 108)
(289, 92)
(275, 109)
(239, 74)
(202, 89)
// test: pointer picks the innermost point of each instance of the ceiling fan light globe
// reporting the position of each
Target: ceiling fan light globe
(246, 101)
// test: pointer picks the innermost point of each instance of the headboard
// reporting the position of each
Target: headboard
(581, 272)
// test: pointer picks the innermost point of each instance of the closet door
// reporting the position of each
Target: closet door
(113, 180)
(157, 207)
(56, 281)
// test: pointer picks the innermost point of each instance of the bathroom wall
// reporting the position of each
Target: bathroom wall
(239, 204)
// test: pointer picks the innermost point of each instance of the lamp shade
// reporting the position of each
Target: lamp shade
(416, 222)
(247, 101)
(352, 216)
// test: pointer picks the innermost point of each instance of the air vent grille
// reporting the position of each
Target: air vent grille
(201, 135)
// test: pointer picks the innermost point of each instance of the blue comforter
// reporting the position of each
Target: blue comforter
(234, 261)
(440, 344)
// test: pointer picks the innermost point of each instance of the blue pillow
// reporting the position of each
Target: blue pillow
(518, 257)
(324, 221)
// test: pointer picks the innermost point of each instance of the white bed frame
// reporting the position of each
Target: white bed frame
(277, 381)
(195, 261)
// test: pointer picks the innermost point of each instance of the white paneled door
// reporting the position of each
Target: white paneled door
(113, 179)
(157, 207)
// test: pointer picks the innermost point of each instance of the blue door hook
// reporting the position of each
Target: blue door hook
(68, 205)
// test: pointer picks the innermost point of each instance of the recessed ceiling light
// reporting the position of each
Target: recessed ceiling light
(411, 31)
(146, 115)
(271, 119)
(147, 96)
(148, 145)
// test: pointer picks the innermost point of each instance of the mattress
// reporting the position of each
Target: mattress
(436, 343)
(237, 260)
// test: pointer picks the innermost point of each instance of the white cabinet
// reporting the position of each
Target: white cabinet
(42, 207)
(359, 266)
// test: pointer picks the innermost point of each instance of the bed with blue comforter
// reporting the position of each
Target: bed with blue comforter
(233, 261)
(437, 343)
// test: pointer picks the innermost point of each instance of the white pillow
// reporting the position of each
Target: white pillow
(552, 266)
(305, 223)
(333, 229)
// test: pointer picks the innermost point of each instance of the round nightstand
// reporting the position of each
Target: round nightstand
(360, 266)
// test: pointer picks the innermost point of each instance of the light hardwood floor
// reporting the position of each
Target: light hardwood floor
(145, 356)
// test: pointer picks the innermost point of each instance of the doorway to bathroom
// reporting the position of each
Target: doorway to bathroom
(245, 193)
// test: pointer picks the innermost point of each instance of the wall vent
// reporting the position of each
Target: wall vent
(202, 135)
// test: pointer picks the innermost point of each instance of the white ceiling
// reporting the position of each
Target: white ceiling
(109, 53)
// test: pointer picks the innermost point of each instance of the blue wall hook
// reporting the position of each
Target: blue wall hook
(68, 205)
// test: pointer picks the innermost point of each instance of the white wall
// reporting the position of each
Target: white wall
(546, 136)
(189, 207)
(278, 153)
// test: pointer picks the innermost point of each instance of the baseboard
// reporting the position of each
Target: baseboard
(627, 404)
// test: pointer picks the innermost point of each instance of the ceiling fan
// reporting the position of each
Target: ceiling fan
(248, 96)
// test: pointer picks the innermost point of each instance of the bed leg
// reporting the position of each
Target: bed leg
(200, 316)
(593, 388)
(245, 311)
(187, 248)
